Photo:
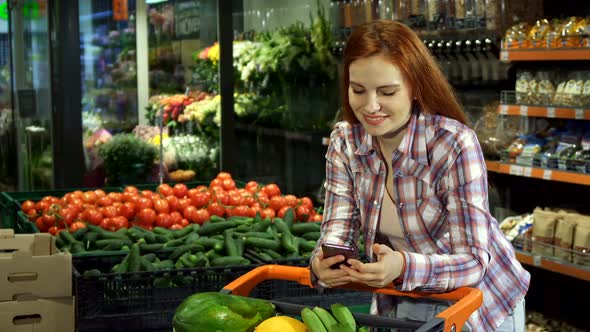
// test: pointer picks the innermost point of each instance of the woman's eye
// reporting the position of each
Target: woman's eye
(388, 93)
(358, 92)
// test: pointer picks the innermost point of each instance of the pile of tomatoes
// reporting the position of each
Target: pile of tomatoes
(173, 207)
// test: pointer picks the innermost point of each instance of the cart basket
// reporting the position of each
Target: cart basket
(450, 320)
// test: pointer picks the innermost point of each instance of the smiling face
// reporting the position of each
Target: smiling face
(379, 95)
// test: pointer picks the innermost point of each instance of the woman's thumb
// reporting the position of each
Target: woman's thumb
(377, 249)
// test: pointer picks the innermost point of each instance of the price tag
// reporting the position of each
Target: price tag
(579, 113)
(528, 172)
(504, 55)
(547, 174)
(524, 110)
(504, 109)
(536, 260)
(550, 112)
(516, 170)
(325, 141)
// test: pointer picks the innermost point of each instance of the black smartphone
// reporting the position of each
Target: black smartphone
(330, 250)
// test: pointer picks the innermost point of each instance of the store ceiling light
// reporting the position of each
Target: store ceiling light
(153, 2)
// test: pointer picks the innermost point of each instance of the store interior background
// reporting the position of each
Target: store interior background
(68, 71)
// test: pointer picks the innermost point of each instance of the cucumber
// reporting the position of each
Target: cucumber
(146, 265)
(186, 261)
(133, 259)
(255, 242)
(59, 242)
(230, 243)
(191, 238)
(122, 267)
(312, 236)
(77, 247)
(305, 227)
(261, 235)
(306, 245)
(150, 257)
(210, 243)
(90, 239)
(240, 246)
(229, 261)
(67, 238)
(79, 234)
(92, 273)
(215, 218)
(166, 265)
(163, 231)
(289, 217)
(281, 226)
(183, 249)
(265, 256)
(244, 228)
(262, 226)
(162, 238)
(201, 260)
(211, 254)
(144, 247)
(210, 228)
(273, 254)
(219, 236)
(183, 232)
(288, 241)
(175, 243)
(239, 220)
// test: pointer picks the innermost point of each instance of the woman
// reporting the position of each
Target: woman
(405, 167)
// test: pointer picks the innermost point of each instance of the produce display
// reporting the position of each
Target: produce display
(571, 32)
(222, 312)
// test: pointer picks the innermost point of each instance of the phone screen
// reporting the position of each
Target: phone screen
(330, 250)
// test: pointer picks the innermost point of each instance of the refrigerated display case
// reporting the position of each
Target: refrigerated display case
(8, 163)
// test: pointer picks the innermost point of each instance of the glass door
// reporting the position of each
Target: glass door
(32, 93)
(8, 165)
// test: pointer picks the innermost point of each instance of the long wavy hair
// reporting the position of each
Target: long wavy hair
(404, 48)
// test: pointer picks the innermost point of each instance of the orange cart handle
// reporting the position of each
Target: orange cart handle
(467, 299)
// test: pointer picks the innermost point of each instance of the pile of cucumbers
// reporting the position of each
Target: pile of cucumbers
(218, 242)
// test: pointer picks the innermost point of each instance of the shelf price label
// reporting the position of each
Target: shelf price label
(550, 112)
(579, 113)
(504, 55)
(536, 260)
(516, 170)
(528, 172)
(547, 174)
(524, 110)
(504, 109)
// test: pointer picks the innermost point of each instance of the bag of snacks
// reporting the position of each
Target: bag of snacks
(543, 231)
(582, 241)
(564, 235)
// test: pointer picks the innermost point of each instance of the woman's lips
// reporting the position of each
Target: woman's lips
(375, 120)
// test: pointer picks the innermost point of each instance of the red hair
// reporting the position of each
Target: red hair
(404, 48)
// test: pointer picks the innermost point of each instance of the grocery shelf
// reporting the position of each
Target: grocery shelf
(545, 111)
(572, 270)
(545, 54)
(538, 173)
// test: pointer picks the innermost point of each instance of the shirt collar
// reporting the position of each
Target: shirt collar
(412, 145)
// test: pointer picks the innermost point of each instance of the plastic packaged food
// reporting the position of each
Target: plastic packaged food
(522, 87)
(495, 132)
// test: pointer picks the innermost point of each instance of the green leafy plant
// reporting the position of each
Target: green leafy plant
(127, 157)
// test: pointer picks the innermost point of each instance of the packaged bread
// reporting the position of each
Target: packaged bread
(581, 253)
(544, 231)
(522, 87)
(538, 33)
(516, 36)
(564, 235)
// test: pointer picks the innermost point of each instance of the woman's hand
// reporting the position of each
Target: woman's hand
(379, 274)
(327, 276)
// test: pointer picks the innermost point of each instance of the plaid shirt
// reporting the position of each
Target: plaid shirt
(440, 189)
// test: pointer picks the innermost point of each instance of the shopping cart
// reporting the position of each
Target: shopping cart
(450, 320)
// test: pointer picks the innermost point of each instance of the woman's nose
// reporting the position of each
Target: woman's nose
(372, 105)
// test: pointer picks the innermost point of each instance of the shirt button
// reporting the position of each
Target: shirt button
(375, 203)
(370, 231)
(408, 236)
(401, 205)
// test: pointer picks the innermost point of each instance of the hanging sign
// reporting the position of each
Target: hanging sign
(120, 10)
(187, 19)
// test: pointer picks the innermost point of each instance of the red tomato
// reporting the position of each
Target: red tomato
(317, 217)
(67, 215)
(272, 190)
(222, 198)
(89, 197)
(144, 203)
(175, 217)
(31, 214)
(49, 220)
(241, 210)
(93, 216)
(104, 201)
(235, 200)
(200, 216)
(107, 224)
(120, 222)
(183, 203)
(54, 230)
(215, 183)
(41, 206)
(165, 190)
(189, 212)
(267, 213)
(262, 198)
(303, 213)
(100, 193)
(127, 210)
(202, 188)
(252, 186)
(276, 203)
(164, 220)
(306, 201)
(131, 189)
(216, 209)
(40, 223)
(290, 200)
(109, 211)
(116, 197)
(172, 202)
(282, 211)
(180, 190)
(27, 205)
(223, 175)
(176, 226)
(161, 206)
(184, 222)
(76, 226)
(147, 193)
(228, 184)
(146, 216)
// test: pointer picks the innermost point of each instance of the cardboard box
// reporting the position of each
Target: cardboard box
(47, 315)
(30, 264)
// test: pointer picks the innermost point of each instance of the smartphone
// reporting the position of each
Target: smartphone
(330, 249)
